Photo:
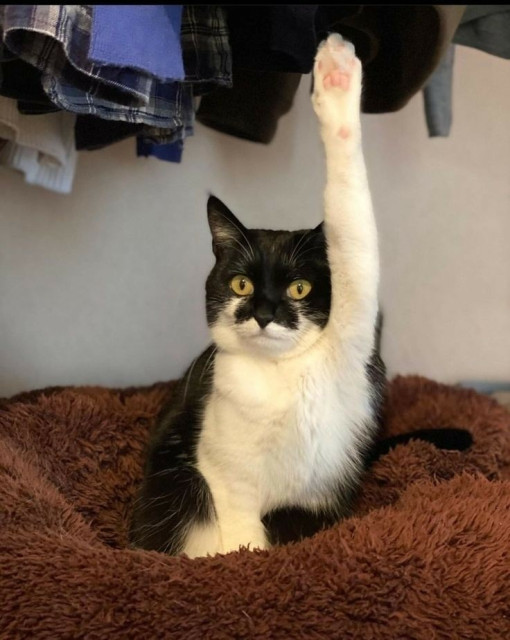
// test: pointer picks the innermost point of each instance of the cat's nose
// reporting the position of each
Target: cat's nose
(263, 315)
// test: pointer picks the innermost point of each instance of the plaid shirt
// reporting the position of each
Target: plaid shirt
(56, 38)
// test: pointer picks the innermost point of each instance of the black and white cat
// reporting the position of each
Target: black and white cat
(270, 429)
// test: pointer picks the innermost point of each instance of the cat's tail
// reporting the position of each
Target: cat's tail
(450, 439)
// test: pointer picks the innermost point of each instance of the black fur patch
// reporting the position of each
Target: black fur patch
(174, 494)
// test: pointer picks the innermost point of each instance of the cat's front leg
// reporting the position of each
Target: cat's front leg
(230, 531)
(242, 530)
(236, 523)
(348, 217)
(337, 94)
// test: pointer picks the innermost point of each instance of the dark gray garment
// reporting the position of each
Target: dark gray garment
(486, 27)
(437, 96)
(483, 27)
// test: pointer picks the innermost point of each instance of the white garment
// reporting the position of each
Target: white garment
(41, 147)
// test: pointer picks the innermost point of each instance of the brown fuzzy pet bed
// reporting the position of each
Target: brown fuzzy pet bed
(427, 554)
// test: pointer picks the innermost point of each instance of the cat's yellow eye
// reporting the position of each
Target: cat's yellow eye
(299, 289)
(242, 285)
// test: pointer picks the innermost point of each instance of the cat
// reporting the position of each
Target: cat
(271, 428)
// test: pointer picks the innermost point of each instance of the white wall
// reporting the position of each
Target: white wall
(106, 286)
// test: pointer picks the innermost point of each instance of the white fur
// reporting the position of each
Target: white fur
(289, 407)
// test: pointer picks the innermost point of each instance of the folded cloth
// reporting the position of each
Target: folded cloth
(140, 37)
(252, 107)
(29, 107)
(167, 108)
(95, 133)
(56, 38)
(273, 38)
(163, 145)
(171, 152)
(208, 64)
(36, 172)
(22, 81)
(41, 147)
(206, 48)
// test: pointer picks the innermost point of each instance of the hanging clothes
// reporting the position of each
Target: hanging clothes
(207, 63)
(125, 71)
(252, 108)
(135, 71)
(399, 47)
(120, 38)
(22, 82)
(437, 96)
(482, 27)
(41, 147)
(55, 39)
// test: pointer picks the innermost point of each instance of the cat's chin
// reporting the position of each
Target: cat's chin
(261, 342)
(271, 345)
(275, 341)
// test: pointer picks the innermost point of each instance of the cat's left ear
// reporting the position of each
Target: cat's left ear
(225, 227)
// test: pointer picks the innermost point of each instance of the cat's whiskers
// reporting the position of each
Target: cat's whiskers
(303, 252)
(188, 378)
(163, 472)
(244, 250)
(148, 502)
(302, 241)
(242, 233)
(208, 364)
(155, 525)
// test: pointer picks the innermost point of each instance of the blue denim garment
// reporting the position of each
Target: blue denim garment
(141, 37)
(171, 152)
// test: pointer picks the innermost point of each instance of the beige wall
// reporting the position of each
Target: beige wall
(105, 286)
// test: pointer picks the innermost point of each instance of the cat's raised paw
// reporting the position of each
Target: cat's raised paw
(337, 86)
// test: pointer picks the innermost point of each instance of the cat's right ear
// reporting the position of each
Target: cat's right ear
(225, 227)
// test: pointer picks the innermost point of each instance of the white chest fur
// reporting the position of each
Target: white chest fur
(285, 432)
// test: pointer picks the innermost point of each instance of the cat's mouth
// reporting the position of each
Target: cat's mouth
(271, 332)
(265, 339)
(273, 337)
(267, 335)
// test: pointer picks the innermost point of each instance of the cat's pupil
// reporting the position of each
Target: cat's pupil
(242, 284)
(300, 288)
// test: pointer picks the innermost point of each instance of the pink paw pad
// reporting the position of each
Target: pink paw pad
(344, 132)
(337, 79)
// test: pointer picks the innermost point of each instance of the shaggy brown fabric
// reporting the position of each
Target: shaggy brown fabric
(426, 556)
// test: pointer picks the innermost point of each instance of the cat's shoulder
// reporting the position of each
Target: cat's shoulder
(193, 386)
